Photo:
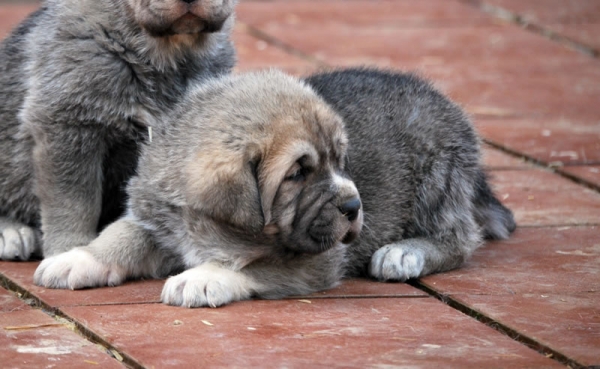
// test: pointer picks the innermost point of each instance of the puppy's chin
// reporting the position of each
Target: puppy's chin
(311, 246)
(188, 24)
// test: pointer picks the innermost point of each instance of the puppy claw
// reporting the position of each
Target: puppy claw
(77, 269)
(397, 262)
(206, 285)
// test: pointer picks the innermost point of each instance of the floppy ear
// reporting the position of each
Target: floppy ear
(224, 185)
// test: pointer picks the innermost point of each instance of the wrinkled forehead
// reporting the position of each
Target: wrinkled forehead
(309, 130)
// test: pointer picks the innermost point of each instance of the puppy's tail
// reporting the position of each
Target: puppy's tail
(496, 221)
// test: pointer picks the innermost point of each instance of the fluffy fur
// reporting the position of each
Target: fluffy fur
(249, 194)
(81, 82)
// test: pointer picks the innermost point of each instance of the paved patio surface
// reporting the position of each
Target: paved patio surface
(529, 74)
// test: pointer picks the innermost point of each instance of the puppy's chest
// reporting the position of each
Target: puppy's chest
(156, 91)
(148, 101)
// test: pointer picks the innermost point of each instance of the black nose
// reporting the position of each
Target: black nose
(350, 209)
(188, 1)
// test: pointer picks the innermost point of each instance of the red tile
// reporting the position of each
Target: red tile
(483, 68)
(12, 14)
(590, 173)
(497, 46)
(533, 260)
(542, 198)
(9, 302)
(552, 10)
(31, 339)
(254, 53)
(326, 333)
(547, 88)
(586, 33)
(132, 292)
(556, 141)
(301, 14)
(369, 288)
(495, 159)
(568, 324)
(148, 291)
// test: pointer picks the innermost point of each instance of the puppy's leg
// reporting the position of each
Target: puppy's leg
(214, 285)
(417, 257)
(207, 285)
(68, 174)
(123, 250)
(17, 240)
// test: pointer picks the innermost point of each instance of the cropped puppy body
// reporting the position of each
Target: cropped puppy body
(82, 82)
(253, 191)
(245, 193)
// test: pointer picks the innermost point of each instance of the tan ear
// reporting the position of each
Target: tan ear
(223, 185)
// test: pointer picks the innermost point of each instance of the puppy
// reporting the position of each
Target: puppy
(249, 193)
(82, 84)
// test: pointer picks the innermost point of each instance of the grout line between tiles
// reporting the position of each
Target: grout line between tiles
(543, 165)
(80, 329)
(496, 325)
(257, 33)
(546, 32)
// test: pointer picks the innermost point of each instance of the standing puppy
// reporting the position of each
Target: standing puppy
(82, 83)
(250, 192)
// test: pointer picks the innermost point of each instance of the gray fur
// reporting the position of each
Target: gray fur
(200, 200)
(415, 159)
(80, 83)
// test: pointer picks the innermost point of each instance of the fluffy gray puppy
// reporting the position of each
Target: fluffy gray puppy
(82, 83)
(249, 194)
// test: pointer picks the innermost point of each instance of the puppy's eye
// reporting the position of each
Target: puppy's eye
(296, 176)
(297, 173)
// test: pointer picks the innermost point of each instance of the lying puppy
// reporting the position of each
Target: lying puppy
(82, 83)
(248, 194)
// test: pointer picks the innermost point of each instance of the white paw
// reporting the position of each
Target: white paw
(17, 242)
(206, 285)
(397, 262)
(77, 269)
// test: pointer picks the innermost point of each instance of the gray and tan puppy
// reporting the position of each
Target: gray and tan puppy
(249, 193)
(81, 83)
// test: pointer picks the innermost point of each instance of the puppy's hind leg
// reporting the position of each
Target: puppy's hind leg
(123, 250)
(17, 240)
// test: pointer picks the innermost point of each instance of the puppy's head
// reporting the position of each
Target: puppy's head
(181, 17)
(270, 163)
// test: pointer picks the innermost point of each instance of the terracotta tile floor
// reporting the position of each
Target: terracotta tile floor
(526, 71)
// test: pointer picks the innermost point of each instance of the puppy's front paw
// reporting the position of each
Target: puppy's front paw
(77, 269)
(17, 242)
(397, 262)
(206, 285)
